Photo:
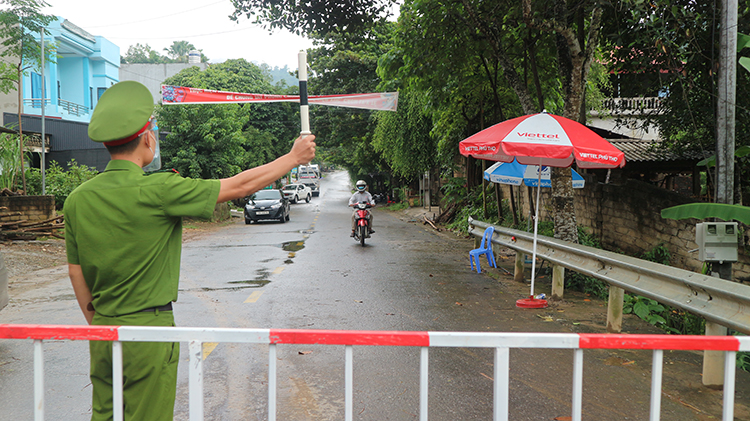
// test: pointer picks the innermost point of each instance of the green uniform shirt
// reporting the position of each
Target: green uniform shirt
(125, 230)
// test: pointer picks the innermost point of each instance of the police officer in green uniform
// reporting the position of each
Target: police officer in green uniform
(124, 239)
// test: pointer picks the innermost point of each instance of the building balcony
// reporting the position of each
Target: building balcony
(63, 106)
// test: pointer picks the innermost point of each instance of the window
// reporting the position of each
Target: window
(36, 90)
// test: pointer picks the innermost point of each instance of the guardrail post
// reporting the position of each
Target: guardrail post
(614, 309)
(713, 361)
(558, 282)
(518, 273)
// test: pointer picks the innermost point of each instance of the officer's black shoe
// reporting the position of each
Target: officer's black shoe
(352, 234)
(372, 231)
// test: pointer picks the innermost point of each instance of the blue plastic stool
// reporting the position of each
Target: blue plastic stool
(485, 247)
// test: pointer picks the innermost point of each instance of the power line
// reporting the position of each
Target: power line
(173, 37)
(156, 18)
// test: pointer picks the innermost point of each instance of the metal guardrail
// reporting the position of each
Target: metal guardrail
(720, 301)
(502, 342)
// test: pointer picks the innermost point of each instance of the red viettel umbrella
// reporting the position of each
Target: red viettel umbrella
(542, 139)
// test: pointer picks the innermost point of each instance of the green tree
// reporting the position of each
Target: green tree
(219, 140)
(20, 23)
(671, 49)
(314, 17)
(344, 64)
(179, 51)
(142, 53)
(404, 139)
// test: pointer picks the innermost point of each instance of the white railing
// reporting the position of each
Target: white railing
(635, 105)
(501, 342)
(72, 108)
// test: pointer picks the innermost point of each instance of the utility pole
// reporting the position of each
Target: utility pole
(713, 361)
(725, 107)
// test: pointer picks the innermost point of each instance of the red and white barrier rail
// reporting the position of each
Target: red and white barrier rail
(502, 342)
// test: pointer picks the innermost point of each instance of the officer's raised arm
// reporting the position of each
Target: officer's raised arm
(249, 181)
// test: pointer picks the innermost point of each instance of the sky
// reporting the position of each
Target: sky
(204, 23)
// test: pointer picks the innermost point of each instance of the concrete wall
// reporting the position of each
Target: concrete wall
(627, 218)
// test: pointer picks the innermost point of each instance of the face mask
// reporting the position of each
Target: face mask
(155, 164)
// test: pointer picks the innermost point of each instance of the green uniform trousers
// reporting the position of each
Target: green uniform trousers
(149, 371)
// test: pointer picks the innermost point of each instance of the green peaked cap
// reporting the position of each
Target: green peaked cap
(122, 111)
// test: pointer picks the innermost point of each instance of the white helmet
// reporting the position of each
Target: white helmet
(361, 185)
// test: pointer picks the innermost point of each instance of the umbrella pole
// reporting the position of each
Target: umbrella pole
(536, 228)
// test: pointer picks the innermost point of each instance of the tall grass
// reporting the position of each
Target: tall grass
(10, 161)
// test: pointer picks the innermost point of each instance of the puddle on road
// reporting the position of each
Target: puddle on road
(292, 247)
(261, 280)
(252, 283)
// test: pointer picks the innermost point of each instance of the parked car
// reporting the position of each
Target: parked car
(267, 204)
(296, 192)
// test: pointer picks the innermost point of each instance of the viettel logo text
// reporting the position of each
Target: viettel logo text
(538, 135)
(480, 148)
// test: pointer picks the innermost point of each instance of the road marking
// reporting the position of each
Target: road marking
(254, 297)
(208, 348)
(278, 270)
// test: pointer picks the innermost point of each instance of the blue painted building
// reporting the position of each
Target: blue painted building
(76, 74)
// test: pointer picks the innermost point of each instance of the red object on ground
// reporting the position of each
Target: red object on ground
(531, 302)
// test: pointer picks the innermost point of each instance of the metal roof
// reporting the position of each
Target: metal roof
(648, 151)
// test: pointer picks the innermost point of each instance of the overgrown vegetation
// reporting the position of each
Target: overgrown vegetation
(58, 181)
(10, 161)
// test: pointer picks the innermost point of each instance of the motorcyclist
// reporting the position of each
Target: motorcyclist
(361, 195)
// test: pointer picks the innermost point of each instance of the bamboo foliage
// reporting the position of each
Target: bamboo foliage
(10, 160)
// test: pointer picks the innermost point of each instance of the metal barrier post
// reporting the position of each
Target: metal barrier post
(501, 385)
(348, 383)
(730, 366)
(577, 401)
(614, 309)
(38, 380)
(423, 382)
(558, 282)
(657, 368)
(272, 382)
(117, 399)
(518, 268)
(195, 380)
(713, 369)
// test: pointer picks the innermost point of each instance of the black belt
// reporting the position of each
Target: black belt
(167, 307)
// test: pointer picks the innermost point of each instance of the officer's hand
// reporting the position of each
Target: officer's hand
(303, 149)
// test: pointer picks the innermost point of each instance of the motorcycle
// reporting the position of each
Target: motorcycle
(363, 222)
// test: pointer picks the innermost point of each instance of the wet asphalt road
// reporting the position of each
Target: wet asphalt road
(308, 273)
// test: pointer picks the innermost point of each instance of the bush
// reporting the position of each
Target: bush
(59, 182)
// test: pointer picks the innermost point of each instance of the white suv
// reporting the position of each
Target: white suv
(297, 192)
